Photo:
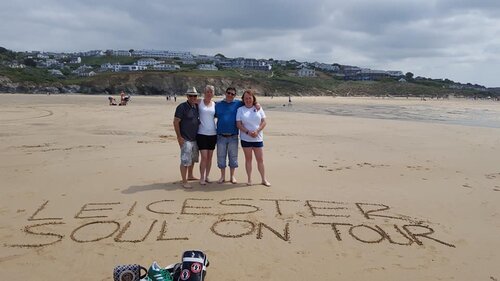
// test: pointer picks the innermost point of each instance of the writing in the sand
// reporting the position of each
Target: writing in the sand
(232, 218)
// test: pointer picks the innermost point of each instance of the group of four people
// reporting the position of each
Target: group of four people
(198, 133)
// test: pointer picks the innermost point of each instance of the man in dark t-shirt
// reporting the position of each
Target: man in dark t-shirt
(186, 122)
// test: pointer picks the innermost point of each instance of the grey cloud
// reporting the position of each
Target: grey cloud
(426, 36)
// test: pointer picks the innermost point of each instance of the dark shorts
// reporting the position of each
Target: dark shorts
(206, 142)
(252, 144)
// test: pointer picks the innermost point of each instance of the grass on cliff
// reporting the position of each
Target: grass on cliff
(30, 74)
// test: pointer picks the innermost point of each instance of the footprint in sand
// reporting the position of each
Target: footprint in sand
(152, 141)
(78, 147)
(169, 137)
(359, 165)
(492, 176)
(366, 164)
(417, 168)
(163, 139)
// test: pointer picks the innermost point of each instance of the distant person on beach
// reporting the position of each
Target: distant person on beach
(112, 101)
(207, 133)
(251, 122)
(123, 98)
(186, 124)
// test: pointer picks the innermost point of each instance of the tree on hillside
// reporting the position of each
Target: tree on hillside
(219, 55)
(7, 54)
(409, 76)
(29, 62)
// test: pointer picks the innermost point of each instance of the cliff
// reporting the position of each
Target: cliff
(164, 83)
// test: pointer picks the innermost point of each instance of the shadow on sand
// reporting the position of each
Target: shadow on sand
(170, 186)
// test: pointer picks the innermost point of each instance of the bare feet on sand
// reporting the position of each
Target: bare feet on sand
(266, 183)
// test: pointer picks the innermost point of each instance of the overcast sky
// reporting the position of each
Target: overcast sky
(454, 39)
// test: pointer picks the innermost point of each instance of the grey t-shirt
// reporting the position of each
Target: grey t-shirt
(190, 120)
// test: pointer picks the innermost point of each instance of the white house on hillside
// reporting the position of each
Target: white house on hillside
(166, 67)
(395, 73)
(207, 67)
(76, 60)
(148, 61)
(306, 72)
(87, 74)
(119, 67)
(162, 54)
(122, 53)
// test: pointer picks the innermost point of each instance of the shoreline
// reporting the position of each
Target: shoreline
(454, 111)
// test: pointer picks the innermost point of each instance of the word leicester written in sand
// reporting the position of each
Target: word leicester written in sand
(339, 220)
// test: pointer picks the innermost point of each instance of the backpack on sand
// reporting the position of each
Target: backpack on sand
(193, 267)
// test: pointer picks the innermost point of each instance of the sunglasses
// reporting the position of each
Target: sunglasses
(192, 96)
(231, 94)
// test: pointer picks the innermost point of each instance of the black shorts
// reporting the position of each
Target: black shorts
(206, 142)
(252, 144)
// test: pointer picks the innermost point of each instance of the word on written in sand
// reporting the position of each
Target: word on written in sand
(232, 218)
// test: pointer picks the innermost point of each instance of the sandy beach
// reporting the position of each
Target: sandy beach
(86, 186)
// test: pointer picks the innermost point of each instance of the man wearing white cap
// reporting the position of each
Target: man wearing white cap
(186, 122)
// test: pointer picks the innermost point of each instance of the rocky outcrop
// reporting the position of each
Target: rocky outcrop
(7, 86)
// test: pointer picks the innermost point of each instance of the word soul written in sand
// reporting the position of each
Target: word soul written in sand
(234, 218)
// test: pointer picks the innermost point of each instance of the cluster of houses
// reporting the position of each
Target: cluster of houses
(158, 60)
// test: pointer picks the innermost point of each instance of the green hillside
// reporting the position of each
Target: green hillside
(282, 80)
